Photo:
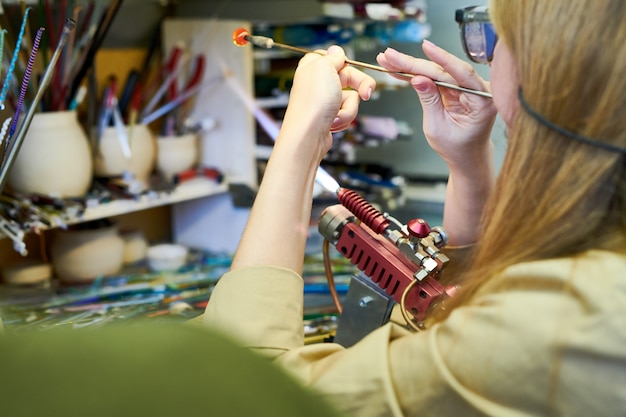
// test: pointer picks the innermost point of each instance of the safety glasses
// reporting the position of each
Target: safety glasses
(477, 33)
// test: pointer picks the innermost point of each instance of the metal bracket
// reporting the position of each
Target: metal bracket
(365, 308)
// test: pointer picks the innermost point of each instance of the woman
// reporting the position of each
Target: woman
(538, 325)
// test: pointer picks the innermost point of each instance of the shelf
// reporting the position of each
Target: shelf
(193, 189)
(189, 190)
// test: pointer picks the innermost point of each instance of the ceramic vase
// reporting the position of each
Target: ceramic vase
(82, 255)
(135, 246)
(27, 272)
(54, 159)
(109, 160)
(176, 154)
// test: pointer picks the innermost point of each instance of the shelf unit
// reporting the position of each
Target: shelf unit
(214, 223)
(187, 191)
(229, 148)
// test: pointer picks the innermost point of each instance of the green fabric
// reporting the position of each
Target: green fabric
(143, 370)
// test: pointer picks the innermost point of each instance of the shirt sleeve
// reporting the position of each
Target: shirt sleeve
(498, 356)
(260, 306)
(504, 354)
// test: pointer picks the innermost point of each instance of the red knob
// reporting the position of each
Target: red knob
(418, 228)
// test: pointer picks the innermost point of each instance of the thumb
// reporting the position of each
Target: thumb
(427, 91)
(337, 55)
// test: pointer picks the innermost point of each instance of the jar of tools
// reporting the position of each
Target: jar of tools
(54, 159)
(111, 161)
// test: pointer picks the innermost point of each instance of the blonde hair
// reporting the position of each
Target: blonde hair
(555, 196)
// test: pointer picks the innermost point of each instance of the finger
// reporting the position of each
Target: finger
(463, 73)
(311, 56)
(337, 56)
(347, 112)
(358, 81)
(349, 76)
(428, 93)
(399, 62)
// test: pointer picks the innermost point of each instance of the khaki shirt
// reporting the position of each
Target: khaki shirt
(544, 338)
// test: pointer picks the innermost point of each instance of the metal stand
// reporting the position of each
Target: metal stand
(366, 308)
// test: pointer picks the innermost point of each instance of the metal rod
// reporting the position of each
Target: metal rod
(266, 42)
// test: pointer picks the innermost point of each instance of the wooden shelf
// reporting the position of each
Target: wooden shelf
(189, 190)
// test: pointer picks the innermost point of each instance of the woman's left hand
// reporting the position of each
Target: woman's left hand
(457, 125)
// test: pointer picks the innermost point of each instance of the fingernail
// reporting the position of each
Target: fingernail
(421, 87)
(369, 94)
(336, 121)
(427, 42)
(333, 49)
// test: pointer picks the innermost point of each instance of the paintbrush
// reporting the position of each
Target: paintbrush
(241, 37)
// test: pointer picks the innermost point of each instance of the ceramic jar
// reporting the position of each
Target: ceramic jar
(176, 154)
(27, 272)
(54, 159)
(135, 246)
(81, 255)
(167, 257)
(109, 160)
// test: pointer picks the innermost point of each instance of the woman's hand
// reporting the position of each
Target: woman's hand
(278, 224)
(457, 125)
(319, 101)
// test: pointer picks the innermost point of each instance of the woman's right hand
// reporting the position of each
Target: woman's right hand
(325, 96)
(456, 124)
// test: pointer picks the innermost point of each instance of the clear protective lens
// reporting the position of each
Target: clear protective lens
(480, 41)
(477, 33)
